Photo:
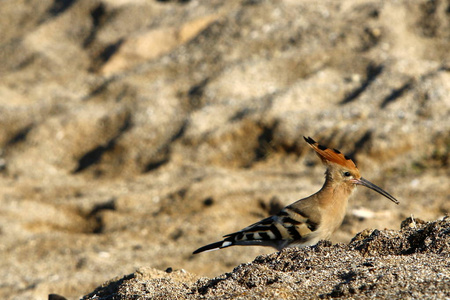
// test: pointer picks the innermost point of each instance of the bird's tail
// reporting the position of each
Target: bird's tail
(214, 246)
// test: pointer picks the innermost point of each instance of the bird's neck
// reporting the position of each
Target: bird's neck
(333, 199)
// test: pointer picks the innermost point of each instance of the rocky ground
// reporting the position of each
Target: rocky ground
(133, 132)
(411, 264)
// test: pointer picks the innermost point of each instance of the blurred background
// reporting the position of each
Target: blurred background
(133, 132)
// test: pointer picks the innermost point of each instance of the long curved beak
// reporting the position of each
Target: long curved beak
(377, 189)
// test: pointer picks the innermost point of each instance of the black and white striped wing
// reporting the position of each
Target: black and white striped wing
(278, 231)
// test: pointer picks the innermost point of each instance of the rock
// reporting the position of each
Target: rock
(400, 264)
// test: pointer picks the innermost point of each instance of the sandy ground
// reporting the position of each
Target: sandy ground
(410, 264)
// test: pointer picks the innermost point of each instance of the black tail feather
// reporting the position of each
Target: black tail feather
(213, 246)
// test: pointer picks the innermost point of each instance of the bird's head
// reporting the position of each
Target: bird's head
(342, 169)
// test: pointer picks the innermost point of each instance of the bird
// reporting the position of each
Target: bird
(311, 219)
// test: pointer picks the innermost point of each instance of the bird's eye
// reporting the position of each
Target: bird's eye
(347, 174)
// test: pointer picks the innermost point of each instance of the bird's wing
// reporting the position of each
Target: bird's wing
(290, 225)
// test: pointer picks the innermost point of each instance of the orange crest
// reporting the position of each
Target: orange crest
(331, 155)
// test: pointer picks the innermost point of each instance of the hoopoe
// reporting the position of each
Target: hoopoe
(311, 219)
